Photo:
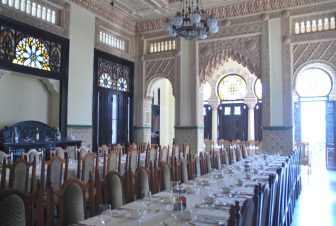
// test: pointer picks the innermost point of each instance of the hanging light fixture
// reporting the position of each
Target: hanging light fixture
(191, 22)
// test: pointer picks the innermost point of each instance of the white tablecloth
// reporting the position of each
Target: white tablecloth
(231, 184)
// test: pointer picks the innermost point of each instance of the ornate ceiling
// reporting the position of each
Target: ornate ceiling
(141, 10)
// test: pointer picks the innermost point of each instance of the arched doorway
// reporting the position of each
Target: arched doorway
(315, 116)
(163, 112)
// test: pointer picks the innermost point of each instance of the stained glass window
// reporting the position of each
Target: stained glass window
(105, 80)
(113, 75)
(258, 89)
(232, 87)
(31, 52)
(313, 82)
(122, 84)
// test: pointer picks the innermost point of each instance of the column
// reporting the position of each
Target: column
(250, 126)
(214, 119)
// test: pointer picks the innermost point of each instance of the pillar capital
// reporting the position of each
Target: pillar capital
(250, 102)
(214, 102)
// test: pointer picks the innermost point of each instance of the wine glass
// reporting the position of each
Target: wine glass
(105, 213)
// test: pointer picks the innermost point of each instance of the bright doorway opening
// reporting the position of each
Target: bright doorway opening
(313, 131)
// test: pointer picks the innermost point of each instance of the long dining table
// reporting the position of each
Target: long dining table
(208, 197)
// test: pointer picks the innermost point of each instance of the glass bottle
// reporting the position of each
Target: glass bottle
(16, 135)
(58, 134)
(37, 134)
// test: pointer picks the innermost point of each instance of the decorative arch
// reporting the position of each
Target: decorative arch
(321, 64)
(155, 78)
(156, 69)
(245, 51)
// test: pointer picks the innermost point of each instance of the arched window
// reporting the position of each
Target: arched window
(32, 52)
(232, 87)
(258, 89)
(313, 82)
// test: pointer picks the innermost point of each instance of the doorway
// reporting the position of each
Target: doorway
(313, 131)
(163, 112)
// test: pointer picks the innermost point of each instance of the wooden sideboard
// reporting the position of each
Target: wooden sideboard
(27, 139)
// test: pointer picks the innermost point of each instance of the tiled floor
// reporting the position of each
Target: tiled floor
(316, 205)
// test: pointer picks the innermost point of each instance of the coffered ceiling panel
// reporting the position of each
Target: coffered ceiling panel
(148, 9)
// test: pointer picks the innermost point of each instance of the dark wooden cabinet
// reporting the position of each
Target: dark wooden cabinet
(27, 139)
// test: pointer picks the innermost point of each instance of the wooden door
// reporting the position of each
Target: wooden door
(258, 122)
(330, 135)
(232, 121)
(207, 121)
(105, 117)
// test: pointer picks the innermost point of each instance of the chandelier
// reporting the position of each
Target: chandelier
(191, 22)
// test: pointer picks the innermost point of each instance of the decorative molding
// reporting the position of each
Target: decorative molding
(62, 30)
(160, 55)
(118, 32)
(314, 51)
(213, 54)
(52, 85)
(104, 9)
(160, 68)
(277, 128)
(235, 10)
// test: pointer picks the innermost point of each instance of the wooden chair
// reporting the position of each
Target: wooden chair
(86, 165)
(20, 208)
(232, 155)
(154, 178)
(120, 149)
(186, 150)
(33, 154)
(3, 157)
(72, 197)
(208, 162)
(218, 160)
(183, 164)
(165, 176)
(198, 166)
(112, 162)
(142, 182)
(129, 185)
(265, 205)
(21, 175)
(208, 145)
(132, 159)
(57, 172)
(151, 156)
(58, 151)
(249, 210)
(103, 150)
(164, 154)
(81, 152)
(113, 190)
(176, 152)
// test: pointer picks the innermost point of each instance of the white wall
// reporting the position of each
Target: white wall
(82, 30)
(276, 79)
(22, 98)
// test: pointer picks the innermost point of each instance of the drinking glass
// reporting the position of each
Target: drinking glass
(105, 213)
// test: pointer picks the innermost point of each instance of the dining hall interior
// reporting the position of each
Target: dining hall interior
(167, 112)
